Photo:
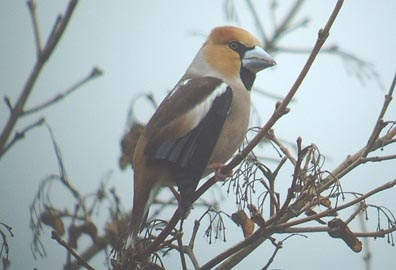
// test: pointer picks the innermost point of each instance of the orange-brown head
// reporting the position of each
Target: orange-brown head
(226, 51)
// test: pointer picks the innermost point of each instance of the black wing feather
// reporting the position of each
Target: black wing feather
(189, 155)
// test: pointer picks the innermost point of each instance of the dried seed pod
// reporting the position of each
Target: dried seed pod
(324, 201)
(339, 229)
(74, 234)
(241, 219)
(53, 220)
(256, 215)
(90, 228)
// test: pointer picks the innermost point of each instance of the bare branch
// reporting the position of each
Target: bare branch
(283, 26)
(181, 251)
(46, 52)
(4, 244)
(83, 263)
(379, 233)
(327, 212)
(282, 147)
(21, 134)
(271, 259)
(354, 160)
(192, 257)
(259, 25)
(244, 248)
(96, 72)
(7, 101)
(379, 125)
(63, 175)
(361, 68)
(377, 158)
(37, 35)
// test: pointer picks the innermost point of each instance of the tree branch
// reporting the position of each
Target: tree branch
(21, 134)
(96, 72)
(36, 29)
(83, 263)
(330, 211)
(379, 125)
(283, 26)
(46, 52)
(259, 25)
(352, 161)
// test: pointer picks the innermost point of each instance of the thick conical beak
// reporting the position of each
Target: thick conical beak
(257, 59)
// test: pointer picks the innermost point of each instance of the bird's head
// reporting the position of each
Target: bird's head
(231, 52)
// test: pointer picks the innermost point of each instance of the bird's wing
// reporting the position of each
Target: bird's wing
(181, 112)
(184, 130)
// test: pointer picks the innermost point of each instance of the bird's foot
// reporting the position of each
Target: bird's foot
(182, 212)
(219, 173)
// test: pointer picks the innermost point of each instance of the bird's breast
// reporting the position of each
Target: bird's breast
(234, 129)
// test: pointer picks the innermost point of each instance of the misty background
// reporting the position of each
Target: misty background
(145, 46)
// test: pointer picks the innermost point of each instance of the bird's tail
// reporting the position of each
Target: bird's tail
(142, 199)
(187, 182)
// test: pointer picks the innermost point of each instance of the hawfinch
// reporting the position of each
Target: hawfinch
(202, 121)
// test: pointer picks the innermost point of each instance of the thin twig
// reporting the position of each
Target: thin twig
(259, 25)
(4, 244)
(99, 245)
(164, 233)
(245, 247)
(380, 233)
(55, 28)
(96, 72)
(357, 211)
(37, 36)
(274, 204)
(63, 175)
(278, 246)
(21, 134)
(283, 26)
(234, 249)
(379, 125)
(327, 212)
(362, 67)
(354, 160)
(377, 158)
(271, 136)
(296, 174)
(192, 257)
(46, 52)
(181, 251)
(194, 234)
(58, 239)
(367, 258)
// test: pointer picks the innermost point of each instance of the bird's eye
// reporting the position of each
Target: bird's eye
(234, 45)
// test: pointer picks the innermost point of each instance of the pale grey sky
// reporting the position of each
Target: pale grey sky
(146, 46)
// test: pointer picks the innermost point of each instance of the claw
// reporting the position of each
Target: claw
(218, 168)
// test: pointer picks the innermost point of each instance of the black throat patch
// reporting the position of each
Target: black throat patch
(247, 78)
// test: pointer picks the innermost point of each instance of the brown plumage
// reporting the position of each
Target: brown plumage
(203, 120)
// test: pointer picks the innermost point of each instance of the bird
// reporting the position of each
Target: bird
(201, 122)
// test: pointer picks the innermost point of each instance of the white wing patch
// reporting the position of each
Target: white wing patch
(197, 113)
(177, 87)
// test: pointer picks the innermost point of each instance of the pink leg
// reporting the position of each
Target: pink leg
(218, 167)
